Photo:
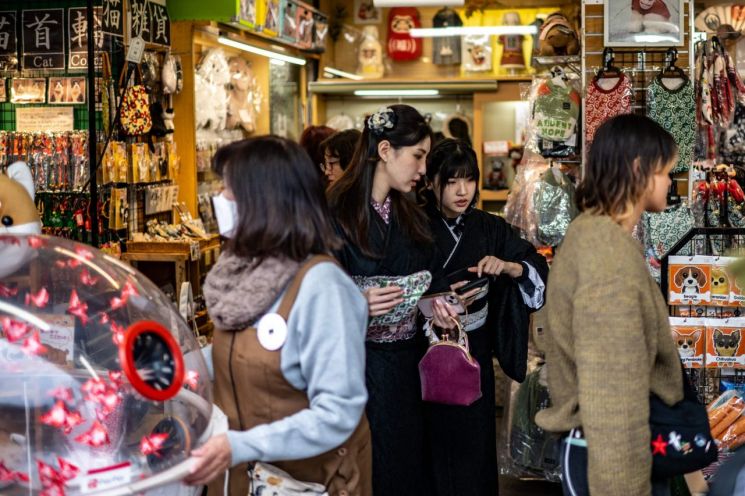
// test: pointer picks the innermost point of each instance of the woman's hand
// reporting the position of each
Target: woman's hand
(212, 459)
(380, 301)
(469, 296)
(493, 266)
(443, 314)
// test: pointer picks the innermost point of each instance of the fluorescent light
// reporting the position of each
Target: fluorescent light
(419, 3)
(396, 92)
(260, 51)
(344, 74)
(472, 30)
(277, 62)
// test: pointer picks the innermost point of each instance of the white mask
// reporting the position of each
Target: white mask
(226, 213)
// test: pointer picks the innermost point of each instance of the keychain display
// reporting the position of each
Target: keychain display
(555, 111)
(58, 161)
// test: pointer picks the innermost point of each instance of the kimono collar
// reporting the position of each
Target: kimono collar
(383, 209)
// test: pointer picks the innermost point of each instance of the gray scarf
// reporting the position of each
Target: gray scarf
(238, 290)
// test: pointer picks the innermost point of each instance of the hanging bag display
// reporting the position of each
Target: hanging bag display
(448, 372)
(135, 109)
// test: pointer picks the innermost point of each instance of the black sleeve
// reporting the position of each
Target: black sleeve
(511, 247)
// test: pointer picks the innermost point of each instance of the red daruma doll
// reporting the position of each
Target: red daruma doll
(401, 46)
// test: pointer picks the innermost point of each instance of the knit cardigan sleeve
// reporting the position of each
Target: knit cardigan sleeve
(613, 382)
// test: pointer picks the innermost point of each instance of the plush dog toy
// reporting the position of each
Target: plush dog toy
(18, 215)
(558, 37)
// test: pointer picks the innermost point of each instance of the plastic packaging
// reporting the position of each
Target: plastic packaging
(554, 206)
(520, 209)
(555, 113)
(104, 384)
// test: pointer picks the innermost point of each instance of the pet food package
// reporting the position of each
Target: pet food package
(555, 113)
(689, 335)
(725, 347)
(689, 280)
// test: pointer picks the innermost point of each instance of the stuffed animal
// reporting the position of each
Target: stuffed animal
(18, 215)
(558, 36)
(650, 16)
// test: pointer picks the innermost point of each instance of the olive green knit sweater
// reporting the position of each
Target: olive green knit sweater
(608, 345)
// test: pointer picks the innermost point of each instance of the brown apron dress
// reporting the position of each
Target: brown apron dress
(251, 390)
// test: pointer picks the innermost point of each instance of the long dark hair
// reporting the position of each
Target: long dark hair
(282, 209)
(311, 139)
(342, 145)
(450, 158)
(350, 196)
(627, 150)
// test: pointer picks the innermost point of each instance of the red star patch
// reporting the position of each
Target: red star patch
(659, 446)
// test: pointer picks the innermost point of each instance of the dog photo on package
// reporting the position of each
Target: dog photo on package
(689, 335)
(725, 346)
(689, 279)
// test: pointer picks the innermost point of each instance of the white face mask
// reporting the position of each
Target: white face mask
(226, 213)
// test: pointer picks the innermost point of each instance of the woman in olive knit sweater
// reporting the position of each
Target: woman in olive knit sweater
(609, 343)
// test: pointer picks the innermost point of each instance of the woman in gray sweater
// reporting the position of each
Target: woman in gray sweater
(609, 344)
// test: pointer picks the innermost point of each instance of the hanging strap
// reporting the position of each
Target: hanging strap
(291, 294)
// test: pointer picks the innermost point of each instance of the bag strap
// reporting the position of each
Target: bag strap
(291, 294)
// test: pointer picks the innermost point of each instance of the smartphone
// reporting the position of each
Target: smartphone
(461, 275)
(480, 282)
(425, 303)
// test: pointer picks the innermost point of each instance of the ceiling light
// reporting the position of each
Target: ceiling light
(396, 92)
(473, 30)
(260, 51)
(419, 3)
(344, 74)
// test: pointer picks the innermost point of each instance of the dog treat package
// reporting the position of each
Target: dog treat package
(689, 336)
(727, 421)
(725, 346)
(689, 280)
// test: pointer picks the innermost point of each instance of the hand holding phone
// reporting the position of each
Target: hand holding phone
(426, 303)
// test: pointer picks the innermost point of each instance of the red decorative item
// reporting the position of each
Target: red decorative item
(7, 475)
(93, 387)
(48, 475)
(13, 329)
(116, 379)
(129, 290)
(78, 308)
(39, 299)
(87, 279)
(36, 242)
(401, 46)
(56, 416)
(7, 291)
(735, 191)
(95, 437)
(659, 446)
(32, 345)
(55, 490)
(118, 333)
(67, 470)
(62, 393)
(151, 445)
(60, 264)
(104, 319)
(192, 379)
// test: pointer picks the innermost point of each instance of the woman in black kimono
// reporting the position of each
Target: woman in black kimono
(386, 236)
(472, 243)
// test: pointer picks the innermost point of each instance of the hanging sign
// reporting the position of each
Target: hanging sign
(77, 37)
(113, 18)
(160, 24)
(139, 20)
(8, 41)
(55, 119)
(43, 38)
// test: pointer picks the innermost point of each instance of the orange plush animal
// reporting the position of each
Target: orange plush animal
(18, 215)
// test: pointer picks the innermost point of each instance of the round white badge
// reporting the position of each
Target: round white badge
(272, 331)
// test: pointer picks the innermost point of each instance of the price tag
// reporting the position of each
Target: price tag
(136, 50)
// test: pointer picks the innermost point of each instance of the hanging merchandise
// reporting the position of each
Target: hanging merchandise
(671, 103)
(402, 47)
(554, 206)
(555, 103)
(520, 208)
(244, 96)
(134, 116)
(512, 45)
(607, 96)
(289, 21)
(446, 49)
(370, 56)
(558, 36)
(320, 31)
(662, 231)
(172, 75)
(304, 21)
(210, 80)
(732, 150)
(477, 53)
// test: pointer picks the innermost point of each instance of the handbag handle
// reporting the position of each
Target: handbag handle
(462, 334)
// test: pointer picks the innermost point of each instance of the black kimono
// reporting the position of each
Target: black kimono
(394, 407)
(463, 439)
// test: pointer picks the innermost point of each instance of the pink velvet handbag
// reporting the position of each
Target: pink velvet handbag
(448, 372)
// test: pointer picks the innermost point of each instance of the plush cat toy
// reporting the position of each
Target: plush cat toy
(18, 215)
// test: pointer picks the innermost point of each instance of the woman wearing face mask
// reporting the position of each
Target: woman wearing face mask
(471, 242)
(386, 234)
(288, 352)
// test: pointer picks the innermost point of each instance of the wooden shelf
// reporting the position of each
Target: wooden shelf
(494, 195)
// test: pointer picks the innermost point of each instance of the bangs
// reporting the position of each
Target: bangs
(453, 169)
